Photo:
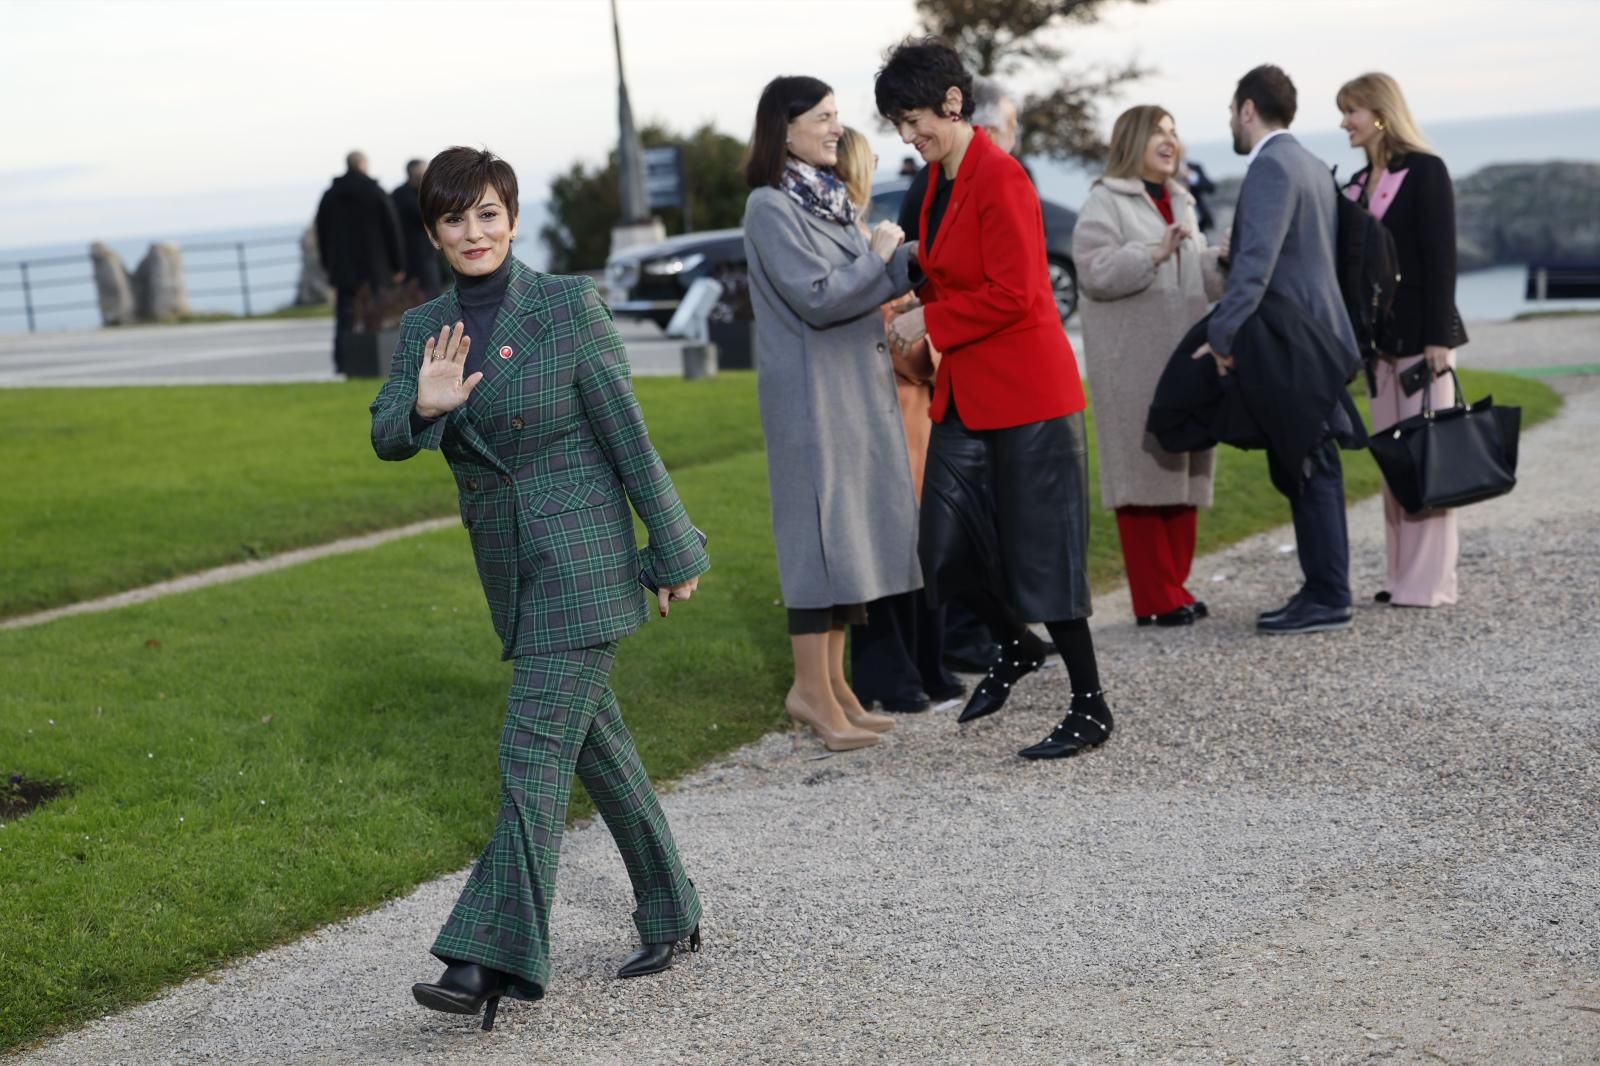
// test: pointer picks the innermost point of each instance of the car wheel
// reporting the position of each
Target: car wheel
(1064, 285)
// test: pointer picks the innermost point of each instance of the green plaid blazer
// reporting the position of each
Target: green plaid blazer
(547, 455)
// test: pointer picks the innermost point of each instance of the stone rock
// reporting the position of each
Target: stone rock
(112, 285)
(1520, 212)
(314, 289)
(158, 284)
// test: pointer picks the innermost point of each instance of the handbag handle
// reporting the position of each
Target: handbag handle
(1427, 395)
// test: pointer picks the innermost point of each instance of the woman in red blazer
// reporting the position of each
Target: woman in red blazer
(1005, 514)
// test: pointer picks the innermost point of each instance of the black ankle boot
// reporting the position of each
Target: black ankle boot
(467, 988)
(653, 958)
(1018, 659)
(1087, 725)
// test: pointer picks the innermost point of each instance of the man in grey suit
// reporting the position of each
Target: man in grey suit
(1284, 238)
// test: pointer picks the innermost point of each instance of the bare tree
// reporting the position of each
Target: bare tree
(1008, 38)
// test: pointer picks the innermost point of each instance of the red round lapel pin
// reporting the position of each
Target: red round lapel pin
(505, 352)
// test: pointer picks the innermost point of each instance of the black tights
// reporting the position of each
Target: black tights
(1071, 635)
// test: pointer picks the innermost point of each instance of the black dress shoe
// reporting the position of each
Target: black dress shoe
(1279, 612)
(653, 958)
(1088, 724)
(1018, 659)
(1382, 596)
(1182, 616)
(914, 704)
(1200, 609)
(467, 988)
(943, 694)
(1305, 616)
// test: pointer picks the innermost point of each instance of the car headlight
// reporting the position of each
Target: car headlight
(678, 264)
(623, 275)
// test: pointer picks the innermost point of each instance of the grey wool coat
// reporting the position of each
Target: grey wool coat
(844, 514)
(1134, 314)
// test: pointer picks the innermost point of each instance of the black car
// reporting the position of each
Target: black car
(648, 282)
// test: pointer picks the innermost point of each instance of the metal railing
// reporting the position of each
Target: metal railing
(27, 277)
(233, 258)
(28, 281)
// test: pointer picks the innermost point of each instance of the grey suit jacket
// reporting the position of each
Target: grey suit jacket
(844, 513)
(1284, 241)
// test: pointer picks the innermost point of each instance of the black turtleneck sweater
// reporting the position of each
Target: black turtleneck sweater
(480, 298)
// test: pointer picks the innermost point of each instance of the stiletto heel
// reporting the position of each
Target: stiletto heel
(847, 739)
(653, 958)
(467, 988)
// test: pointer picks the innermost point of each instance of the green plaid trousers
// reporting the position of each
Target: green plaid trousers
(562, 717)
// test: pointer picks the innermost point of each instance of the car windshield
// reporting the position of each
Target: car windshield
(885, 205)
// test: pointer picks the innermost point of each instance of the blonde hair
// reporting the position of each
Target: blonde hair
(855, 167)
(1130, 136)
(1380, 94)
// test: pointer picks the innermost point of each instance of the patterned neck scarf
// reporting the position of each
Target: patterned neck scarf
(818, 190)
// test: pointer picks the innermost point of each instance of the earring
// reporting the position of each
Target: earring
(1377, 124)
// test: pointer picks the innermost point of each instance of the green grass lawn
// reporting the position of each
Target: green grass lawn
(252, 760)
(110, 489)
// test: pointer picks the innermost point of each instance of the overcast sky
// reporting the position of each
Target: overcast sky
(135, 117)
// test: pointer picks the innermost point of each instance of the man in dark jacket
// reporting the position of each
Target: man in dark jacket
(1284, 239)
(358, 239)
(421, 261)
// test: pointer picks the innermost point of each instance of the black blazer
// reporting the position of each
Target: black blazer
(1286, 392)
(1422, 219)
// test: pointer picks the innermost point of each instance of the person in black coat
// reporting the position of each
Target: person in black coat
(358, 240)
(421, 261)
(1409, 189)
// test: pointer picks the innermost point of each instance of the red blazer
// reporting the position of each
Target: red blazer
(989, 307)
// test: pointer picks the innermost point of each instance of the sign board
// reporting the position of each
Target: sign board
(663, 176)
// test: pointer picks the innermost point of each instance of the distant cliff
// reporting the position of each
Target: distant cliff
(1507, 212)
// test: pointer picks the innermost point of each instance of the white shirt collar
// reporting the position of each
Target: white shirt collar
(1262, 143)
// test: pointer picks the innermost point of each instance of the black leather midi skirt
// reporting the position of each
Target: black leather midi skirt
(1007, 510)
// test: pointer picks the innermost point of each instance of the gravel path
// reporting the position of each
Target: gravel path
(1375, 845)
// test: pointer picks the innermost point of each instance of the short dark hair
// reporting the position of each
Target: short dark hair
(413, 164)
(455, 181)
(784, 99)
(1270, 89)
(920, 72)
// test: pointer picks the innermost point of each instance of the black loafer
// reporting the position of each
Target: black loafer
(1382, 596)
(653, 958)
(1200, 609)
(915, 705)
(941, 694)
(1305, 617)
(1182, 616)
(1018, 659)
(1087, 725)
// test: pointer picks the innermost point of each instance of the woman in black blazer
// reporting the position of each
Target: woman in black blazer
(1409, 189)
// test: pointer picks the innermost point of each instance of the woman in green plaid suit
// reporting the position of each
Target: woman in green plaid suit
(540, 427)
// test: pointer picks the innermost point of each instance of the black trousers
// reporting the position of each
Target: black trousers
(1321, 533)
(898, 655)
(344, 320)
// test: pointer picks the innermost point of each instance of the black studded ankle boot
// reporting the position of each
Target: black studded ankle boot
(1087, 725)
(1019, 657)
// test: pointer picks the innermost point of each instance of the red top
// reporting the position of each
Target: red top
(1162, 199)
(989, 307)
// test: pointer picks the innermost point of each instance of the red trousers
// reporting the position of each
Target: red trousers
(1157, 550)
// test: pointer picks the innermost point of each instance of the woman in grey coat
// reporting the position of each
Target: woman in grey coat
(1146, 276)
(844, 514)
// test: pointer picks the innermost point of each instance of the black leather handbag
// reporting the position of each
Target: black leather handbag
(1451, 457)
